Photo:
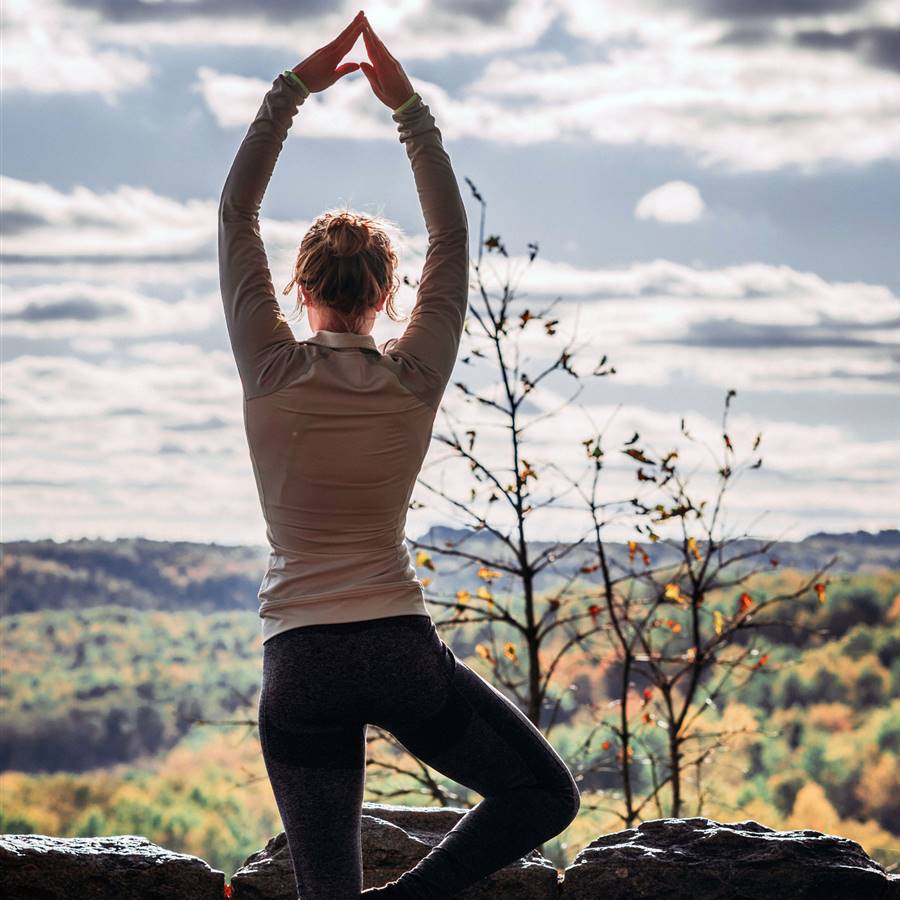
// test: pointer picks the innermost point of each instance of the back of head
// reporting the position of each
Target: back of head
(344, 265)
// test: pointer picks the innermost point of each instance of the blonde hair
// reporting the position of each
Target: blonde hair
(345, 263)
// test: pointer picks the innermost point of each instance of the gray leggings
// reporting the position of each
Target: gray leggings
(322, 685)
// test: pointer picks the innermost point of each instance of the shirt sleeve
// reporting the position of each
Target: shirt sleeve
(430, 342)
(261, 340)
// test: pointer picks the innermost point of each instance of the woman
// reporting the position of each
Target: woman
(337, 428)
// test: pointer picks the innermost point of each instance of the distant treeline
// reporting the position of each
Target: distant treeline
(143, 574)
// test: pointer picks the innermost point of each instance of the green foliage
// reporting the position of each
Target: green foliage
(103, 686)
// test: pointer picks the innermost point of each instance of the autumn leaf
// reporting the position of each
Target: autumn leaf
(487, 574)
(493, 243)
(484, 594)
(463, 596)
(692, 546)
(423, 559)
(746, 602)
(673, 592)
(509, 651)
(594, 610)
(646, 718)
(718, 621)
(426, 580)
(527, 472)
(647, 695)
(589, 568)
(483, 651)
(820, 590)
(675, 626)
(638, 455)
(605, 745)
(632, 549)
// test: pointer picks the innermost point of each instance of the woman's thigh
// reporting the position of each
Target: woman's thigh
(397, 673)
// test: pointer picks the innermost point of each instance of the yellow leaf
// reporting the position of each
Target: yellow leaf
(423, 559)
(692, 546)
(426, 580)
(719, 621)
(484, 593)
(487, 574)
(463, 596)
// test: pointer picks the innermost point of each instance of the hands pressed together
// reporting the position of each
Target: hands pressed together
(386, 76)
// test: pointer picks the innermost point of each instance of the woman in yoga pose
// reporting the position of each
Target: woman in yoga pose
(337, 428)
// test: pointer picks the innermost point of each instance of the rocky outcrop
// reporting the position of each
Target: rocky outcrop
(678, 859)
(394, 839)
(37, 867)
(698, 859)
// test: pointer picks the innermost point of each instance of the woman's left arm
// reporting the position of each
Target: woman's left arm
(252, 314)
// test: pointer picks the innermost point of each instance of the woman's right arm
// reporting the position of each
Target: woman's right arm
(431, 339)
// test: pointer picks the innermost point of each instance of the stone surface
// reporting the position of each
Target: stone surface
(698, 859)
(394, 839)
(674, 859)
(124, 867)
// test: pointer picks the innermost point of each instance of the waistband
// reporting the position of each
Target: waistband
(410, 621)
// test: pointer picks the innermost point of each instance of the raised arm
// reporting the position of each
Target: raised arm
(256, 331)
(431, 339)
(261, 340)
(432, 335)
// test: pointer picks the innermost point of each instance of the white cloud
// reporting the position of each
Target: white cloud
(45, 222)
(92, 311)
(674, 202)
(50, 51)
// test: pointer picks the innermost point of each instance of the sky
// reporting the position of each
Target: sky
(712, 186)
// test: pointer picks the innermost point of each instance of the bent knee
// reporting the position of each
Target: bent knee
(565, 806)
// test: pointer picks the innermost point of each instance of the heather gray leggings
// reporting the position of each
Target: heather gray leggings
(322, 685)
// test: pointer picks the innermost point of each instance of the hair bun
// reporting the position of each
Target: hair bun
(345, 237)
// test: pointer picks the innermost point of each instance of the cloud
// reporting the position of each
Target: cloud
(129, 222)
(674, 202)
(412, 31)
(69, 282)
(752, 109)
(753, 327)
(79, 310)
(879, 46)
(233, 101)
(47, 52)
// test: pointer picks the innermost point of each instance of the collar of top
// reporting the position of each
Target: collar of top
(343, 339)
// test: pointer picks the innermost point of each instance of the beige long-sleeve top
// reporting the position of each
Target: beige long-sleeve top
(337, 426)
